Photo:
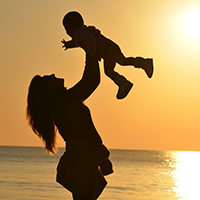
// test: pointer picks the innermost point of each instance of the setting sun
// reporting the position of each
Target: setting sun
(192, 23)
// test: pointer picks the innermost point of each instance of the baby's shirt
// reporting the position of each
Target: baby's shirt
(91, 40)
(84, 37)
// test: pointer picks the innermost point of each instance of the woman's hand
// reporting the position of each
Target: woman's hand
(93, 56)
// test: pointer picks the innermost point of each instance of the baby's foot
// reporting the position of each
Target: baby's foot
(146, 64)
(148, 67)
(124, 90)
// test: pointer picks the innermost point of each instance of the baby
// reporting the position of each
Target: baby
(98, 46)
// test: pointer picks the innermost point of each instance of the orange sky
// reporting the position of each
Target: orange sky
(161, 113)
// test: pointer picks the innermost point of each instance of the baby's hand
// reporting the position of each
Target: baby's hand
(65, 44)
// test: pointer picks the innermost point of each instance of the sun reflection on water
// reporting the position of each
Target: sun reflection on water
(186, 175)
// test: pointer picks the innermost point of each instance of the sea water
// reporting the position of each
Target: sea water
(29, 173)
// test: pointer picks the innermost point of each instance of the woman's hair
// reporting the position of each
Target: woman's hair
(73, 19)
(40, 111)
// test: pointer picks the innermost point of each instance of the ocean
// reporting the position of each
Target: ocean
(29, 173)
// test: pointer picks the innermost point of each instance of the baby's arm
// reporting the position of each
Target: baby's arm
(68, 44)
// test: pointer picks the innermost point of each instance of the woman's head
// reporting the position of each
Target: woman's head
(41, 102)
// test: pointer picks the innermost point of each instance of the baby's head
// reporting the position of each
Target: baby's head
(72, 21)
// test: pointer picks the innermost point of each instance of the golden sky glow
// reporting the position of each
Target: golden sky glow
(161, 113)
(192, 23)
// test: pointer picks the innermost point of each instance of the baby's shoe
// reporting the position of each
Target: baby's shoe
(124, 89)
(146, 64)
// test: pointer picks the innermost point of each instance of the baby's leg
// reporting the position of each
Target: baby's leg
(109, 66)
(124, 85)
(138, 62)
(124, 61)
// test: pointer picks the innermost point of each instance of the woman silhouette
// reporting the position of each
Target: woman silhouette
(50, 105)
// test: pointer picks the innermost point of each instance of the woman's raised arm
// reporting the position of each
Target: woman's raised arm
(89, 81)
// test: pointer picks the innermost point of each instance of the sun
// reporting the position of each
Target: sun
(191, 23)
